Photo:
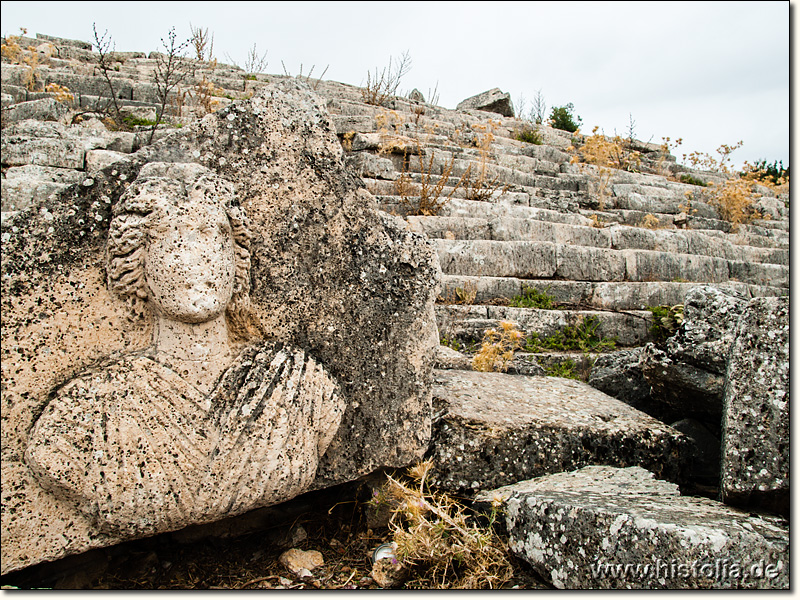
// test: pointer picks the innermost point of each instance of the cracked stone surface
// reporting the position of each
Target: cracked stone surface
(604, 528)
(755, 442)
(493, 429)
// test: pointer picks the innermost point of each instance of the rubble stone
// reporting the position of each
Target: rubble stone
(688, 374)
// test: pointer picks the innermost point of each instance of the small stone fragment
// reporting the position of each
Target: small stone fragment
(301, 562)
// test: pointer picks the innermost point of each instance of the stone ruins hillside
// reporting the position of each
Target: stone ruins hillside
(643, 413)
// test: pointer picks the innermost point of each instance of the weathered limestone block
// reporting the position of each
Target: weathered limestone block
(416, 96)
(369, 165)
(64, 41)
(92, 85)
(30, 185)
(755, 443)
(602, 527)
(356, 123)
(279, 338)
(14, 75)
(496, 429)
(644, 265)
(457, 228)
(688, 373)
(618, 374)
(760, 274)
(584, 263)
(52, 144)
(492, 100)
(624, 237)
(46, 109)
(39, 143)
(527, 260)
(100, 159)
(469, 322)
(684, 389)
(507, 228)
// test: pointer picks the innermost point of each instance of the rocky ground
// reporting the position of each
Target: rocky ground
(338, 523)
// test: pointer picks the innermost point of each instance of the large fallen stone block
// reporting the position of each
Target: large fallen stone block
(755, 423)
(492, 100)
(275, 334)
(603, 527)
(493, 429)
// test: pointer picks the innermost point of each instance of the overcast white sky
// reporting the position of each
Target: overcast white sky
(708, 72)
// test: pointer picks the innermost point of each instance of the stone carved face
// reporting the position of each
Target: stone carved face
(177, 243)
(190, 262)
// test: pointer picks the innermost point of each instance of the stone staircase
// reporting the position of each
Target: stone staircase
(540, 225)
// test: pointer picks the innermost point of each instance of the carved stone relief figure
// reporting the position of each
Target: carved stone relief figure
(195, 427)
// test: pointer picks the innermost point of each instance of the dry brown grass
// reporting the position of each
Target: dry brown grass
(426, 197)
(381, 87)
(498, 347)
(441, 545)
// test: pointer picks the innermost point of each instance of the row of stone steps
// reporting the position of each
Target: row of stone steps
(494, 429)
(467, 323)
(502, 229)
(602, 295)
(550, 260)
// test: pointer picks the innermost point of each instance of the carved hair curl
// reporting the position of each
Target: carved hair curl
(136, 213)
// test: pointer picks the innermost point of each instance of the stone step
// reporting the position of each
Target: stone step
(467, 323)
(616, 237)
(463, 208)
(493, 429)
(601, 295)
(547, 260)
(636, 218)
(604, 527)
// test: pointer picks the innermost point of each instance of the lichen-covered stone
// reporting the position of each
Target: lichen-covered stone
(755, 443)
(330, 275)
(618, 374)
(602, 527)
(493, 429)
(687, 374)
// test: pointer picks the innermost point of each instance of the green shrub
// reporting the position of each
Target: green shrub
(563, 117)
(583, 337)
(691, 180)
(532, 298)
(565, 368)
(765, 172)
(132, 121)
(529, 135)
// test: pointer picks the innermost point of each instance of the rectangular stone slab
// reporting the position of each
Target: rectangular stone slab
(755, 418)
(493, 429)
(604, 527)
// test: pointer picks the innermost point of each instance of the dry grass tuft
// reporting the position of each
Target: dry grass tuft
(441, 545)
(498, 347)
(426, 197)
(381, 87)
